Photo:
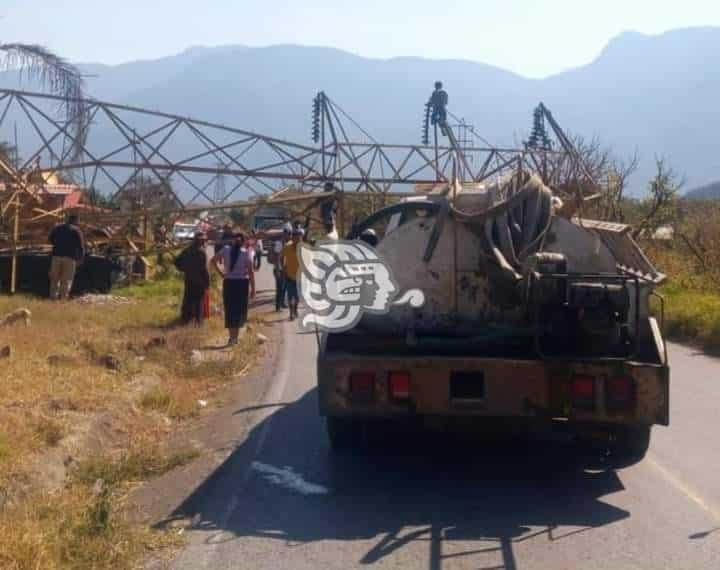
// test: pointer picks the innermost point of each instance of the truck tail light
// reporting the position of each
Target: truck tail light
(399, 383)
(362, 386)
(583, 392)
(619, 394)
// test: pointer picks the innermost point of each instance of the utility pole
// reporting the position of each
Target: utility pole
(16, 237)
(220, 189)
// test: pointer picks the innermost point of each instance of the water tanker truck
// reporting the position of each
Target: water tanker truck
(533, 316)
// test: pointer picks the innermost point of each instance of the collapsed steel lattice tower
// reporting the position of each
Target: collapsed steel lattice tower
(125, 144)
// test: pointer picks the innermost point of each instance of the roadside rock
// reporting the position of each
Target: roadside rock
(5, 352)
(111, 362)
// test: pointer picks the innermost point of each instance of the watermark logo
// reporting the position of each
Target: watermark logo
(342, 280)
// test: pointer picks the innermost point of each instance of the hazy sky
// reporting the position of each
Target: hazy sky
(533, 38)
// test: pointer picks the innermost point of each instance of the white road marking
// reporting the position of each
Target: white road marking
(684, 489)
(288, 479)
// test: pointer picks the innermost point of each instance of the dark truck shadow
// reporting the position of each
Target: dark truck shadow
(494, 495)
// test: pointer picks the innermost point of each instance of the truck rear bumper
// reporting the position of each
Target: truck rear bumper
(479, 387)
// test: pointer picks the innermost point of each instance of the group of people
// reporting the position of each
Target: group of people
(235, 259)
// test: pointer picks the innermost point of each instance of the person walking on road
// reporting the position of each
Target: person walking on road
(275, 258)
(238, 283)
(291, 267)
(258, 244)
(193, 262)
(68, 251)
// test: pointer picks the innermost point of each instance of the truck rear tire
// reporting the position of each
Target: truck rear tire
(629, 444)
(343, 433)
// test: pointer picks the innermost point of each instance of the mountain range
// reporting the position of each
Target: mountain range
(706, 192)
(657, 94)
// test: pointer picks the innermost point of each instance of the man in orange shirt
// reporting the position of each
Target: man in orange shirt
(291, 267)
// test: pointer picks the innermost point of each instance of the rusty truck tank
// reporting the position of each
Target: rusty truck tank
(531, 313)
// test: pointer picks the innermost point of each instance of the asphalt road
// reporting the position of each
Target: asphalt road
(282, 500)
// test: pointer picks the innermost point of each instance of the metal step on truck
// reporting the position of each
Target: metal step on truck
(531, 318)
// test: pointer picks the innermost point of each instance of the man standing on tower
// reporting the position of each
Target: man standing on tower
(439, 103)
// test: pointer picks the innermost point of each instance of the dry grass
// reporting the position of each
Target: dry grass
(78, 528)
(132, 465)
(77, 361)
(57, 357)
(158, 399)
(49, 431)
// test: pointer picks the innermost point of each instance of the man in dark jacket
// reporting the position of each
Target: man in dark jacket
(68, 252)
(193, 262)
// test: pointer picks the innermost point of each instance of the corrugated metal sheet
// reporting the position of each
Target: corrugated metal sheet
(628, 255)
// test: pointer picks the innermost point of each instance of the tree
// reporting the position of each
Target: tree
(612, 201)
(576, 175)
(8, 152)
(660, 207)
(593, 170)
(698, 230)
(56, 75)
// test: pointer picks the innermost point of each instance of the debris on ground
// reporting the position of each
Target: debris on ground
(17, 316)
(242, 372)
(196, 357)
(261, 338)
(97, 299)
(98, 487)
(61, 360)
(5, 351)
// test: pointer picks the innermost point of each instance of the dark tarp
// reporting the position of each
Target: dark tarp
(94, 275)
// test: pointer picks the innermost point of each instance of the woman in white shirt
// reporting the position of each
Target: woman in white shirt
(238, 283)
